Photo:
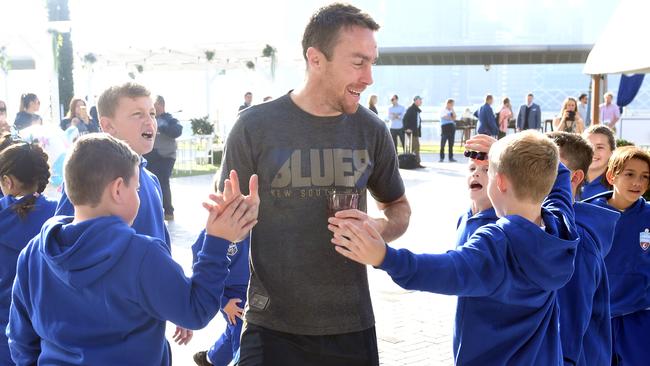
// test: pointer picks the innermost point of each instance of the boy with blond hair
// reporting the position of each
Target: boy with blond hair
(126, 112)
(585, 328)
(508, 272)
(89, 290)
(628, 262)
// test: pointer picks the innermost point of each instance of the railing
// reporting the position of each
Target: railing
(193, 151)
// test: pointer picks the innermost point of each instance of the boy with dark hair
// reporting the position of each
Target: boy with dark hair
(508, 272)
(585, 328)
(628, 262)
(127, 112)
(91, 291)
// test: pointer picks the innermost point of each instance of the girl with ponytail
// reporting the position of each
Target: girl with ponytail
(24, 174)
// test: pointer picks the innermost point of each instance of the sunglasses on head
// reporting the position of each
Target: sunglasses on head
(478, 155)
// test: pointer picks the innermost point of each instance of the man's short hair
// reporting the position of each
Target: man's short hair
(488, 97)
(583, 95)
(603, 130)
(608, 93)
(449, 101)
(530, 95)
(622, 156)
(529, 160)
(110, 98)
(160, 100)
(323, 28)
(248, 94)
(84, 182)
(394, 97)
(575, 150)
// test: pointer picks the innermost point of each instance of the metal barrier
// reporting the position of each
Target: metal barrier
(193, 151)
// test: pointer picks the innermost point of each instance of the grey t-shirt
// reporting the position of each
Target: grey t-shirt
(299, 283)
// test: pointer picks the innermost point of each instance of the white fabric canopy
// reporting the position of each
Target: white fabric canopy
(623, 45)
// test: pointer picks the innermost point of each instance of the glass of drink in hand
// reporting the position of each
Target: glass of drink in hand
(339, 201)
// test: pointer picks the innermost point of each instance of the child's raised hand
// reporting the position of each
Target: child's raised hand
(481, 143)
(359, 242)
(232, 223)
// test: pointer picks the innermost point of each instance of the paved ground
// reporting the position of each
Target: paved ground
(413, 328)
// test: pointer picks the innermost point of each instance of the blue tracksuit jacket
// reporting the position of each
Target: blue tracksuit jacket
(506, 276)
(97, 293)
(15, 233)
(585, 326)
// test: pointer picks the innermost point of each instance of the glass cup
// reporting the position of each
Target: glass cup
(339, 201)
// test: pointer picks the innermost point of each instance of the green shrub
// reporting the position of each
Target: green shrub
(623, 142)
(201, 126)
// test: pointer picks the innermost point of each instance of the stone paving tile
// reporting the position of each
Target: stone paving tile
(413, 328)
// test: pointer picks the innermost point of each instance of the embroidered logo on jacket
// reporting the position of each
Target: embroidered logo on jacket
(644, 239)
(232, 249)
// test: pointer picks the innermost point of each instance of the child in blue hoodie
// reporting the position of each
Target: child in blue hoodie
(89, 290)
(127, 112)
(23, 210)
(233, 301)
(232, 305)
(481, 211)
(585, 328)
(508, 271)
(628, 261)
(603, 142)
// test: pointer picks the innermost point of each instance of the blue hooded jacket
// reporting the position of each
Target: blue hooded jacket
(150, 218)
(97, 293)
(239, 272)
(628, 262)
(468, 224)
(506, 276)
(585, 325)
(593, 188)
(15, 233)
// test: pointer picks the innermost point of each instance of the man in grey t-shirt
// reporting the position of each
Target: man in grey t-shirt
(308, 305)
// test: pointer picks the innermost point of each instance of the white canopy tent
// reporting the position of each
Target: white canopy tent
(621, 49)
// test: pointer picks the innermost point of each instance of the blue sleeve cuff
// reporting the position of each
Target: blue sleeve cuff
(214, 245)
(390, 260)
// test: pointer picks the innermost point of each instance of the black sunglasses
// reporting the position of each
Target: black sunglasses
(3, 109)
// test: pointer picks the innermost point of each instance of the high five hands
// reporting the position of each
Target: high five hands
(231, 214)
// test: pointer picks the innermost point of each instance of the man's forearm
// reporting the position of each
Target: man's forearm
(396, 221)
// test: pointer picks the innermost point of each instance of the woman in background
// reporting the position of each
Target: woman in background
(504, 117)
(372, 103)
(569, 119)
(78, 116)
(29, 105)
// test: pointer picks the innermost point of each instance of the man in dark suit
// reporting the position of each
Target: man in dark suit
(413, 126)
(487, 122)
(248, 99)
(530, 115)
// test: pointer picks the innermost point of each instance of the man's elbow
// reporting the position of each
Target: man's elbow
(398, 215)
